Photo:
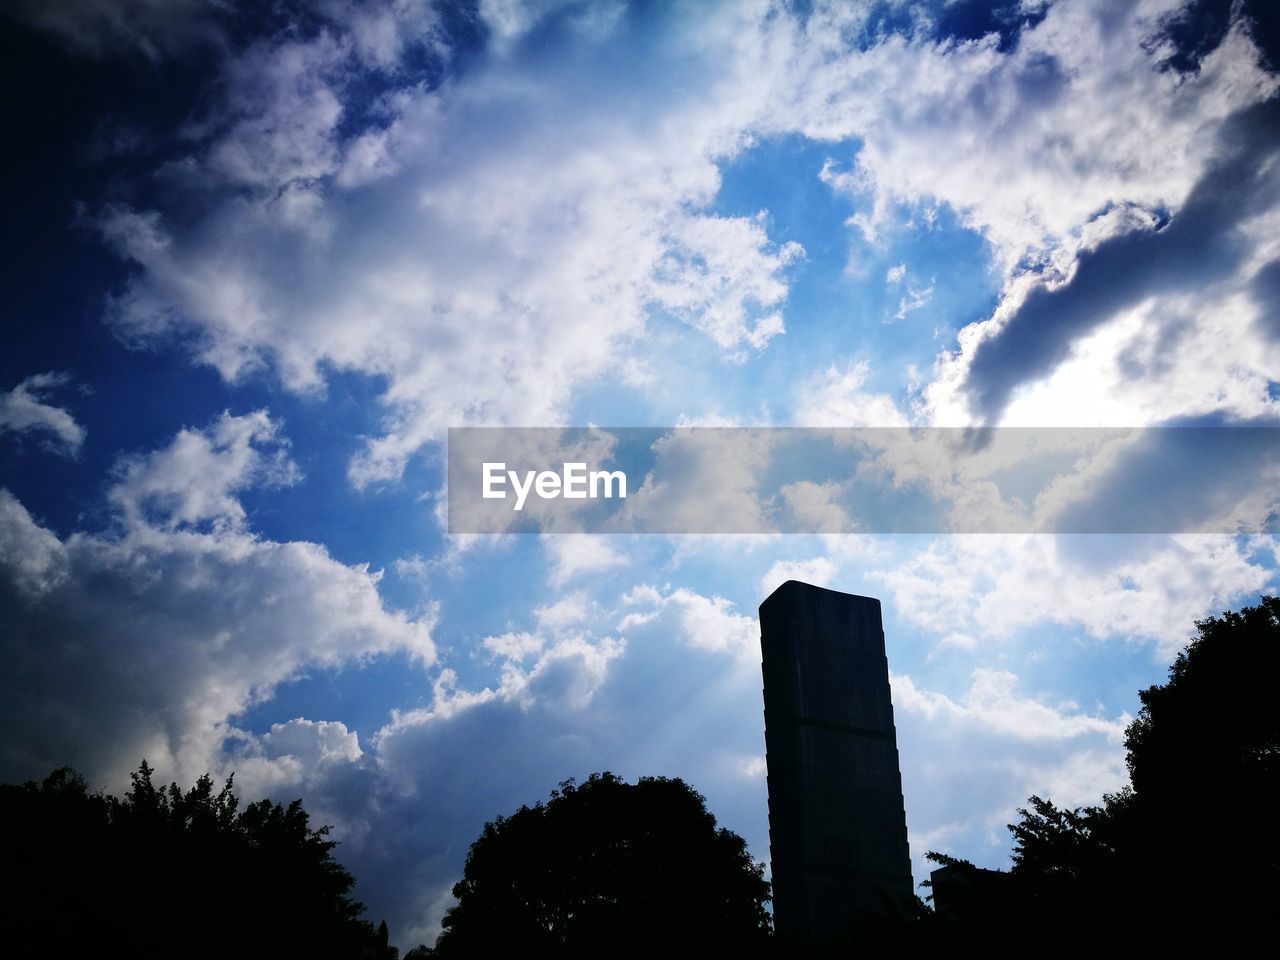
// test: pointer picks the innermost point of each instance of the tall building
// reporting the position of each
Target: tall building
(837, 824)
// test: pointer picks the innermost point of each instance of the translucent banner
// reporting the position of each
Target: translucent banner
(710, 480)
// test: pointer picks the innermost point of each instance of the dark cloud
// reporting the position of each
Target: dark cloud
(115, 649)
(1193, 478)
(156, 29)
(1198, 28)
(1199, 246)
(1266, 294)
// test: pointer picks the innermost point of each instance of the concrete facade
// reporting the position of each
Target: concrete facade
(837, 823)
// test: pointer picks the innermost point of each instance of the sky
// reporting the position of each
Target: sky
(259, 259)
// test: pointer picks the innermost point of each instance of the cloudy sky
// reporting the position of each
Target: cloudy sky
(257, 262)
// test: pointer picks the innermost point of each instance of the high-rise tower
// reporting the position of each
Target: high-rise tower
(837, 824)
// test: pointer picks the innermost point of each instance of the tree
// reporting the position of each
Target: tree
(1204, 761)
(1212, 731)
(1193, 841)
(606, 865)
(161, 872)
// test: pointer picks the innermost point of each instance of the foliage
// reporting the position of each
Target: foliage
(604, 865)
(1193, 840)
(1213, 730)
(1204, 761)
(161, 872)
(1058, 844)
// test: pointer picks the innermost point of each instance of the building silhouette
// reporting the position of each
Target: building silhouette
(965, 892)
(837, 824)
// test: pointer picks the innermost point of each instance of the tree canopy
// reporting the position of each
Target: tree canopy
(606, 865)
(1204, 762)
(1193, 839)
(163, 872)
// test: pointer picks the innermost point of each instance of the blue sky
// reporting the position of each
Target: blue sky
(256, 263)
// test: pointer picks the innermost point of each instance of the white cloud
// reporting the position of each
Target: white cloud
(194, 479)
(435, 244)
(752, 768)
(817, 570)
(567, 675)
(568, 610)
(280, 128)
(961, 641)
(1076, 132)
(312, 742)
(814, 506)
(703, 479)
(992, 703)
(414, 567)
(299, 754)
(1147, 588)
(33, 557)
(917, 298)
(703, 622)
(715, 267)
(438, 247)
(972, 761)
(514, 646)
(574, 554)
(150, 641)
(1030, 144)
(837, 398)
(1179, 355)
(23, 410)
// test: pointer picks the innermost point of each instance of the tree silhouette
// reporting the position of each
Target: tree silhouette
(1204, 762)
(1193, 840)
(161, 872)
(604, 866)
